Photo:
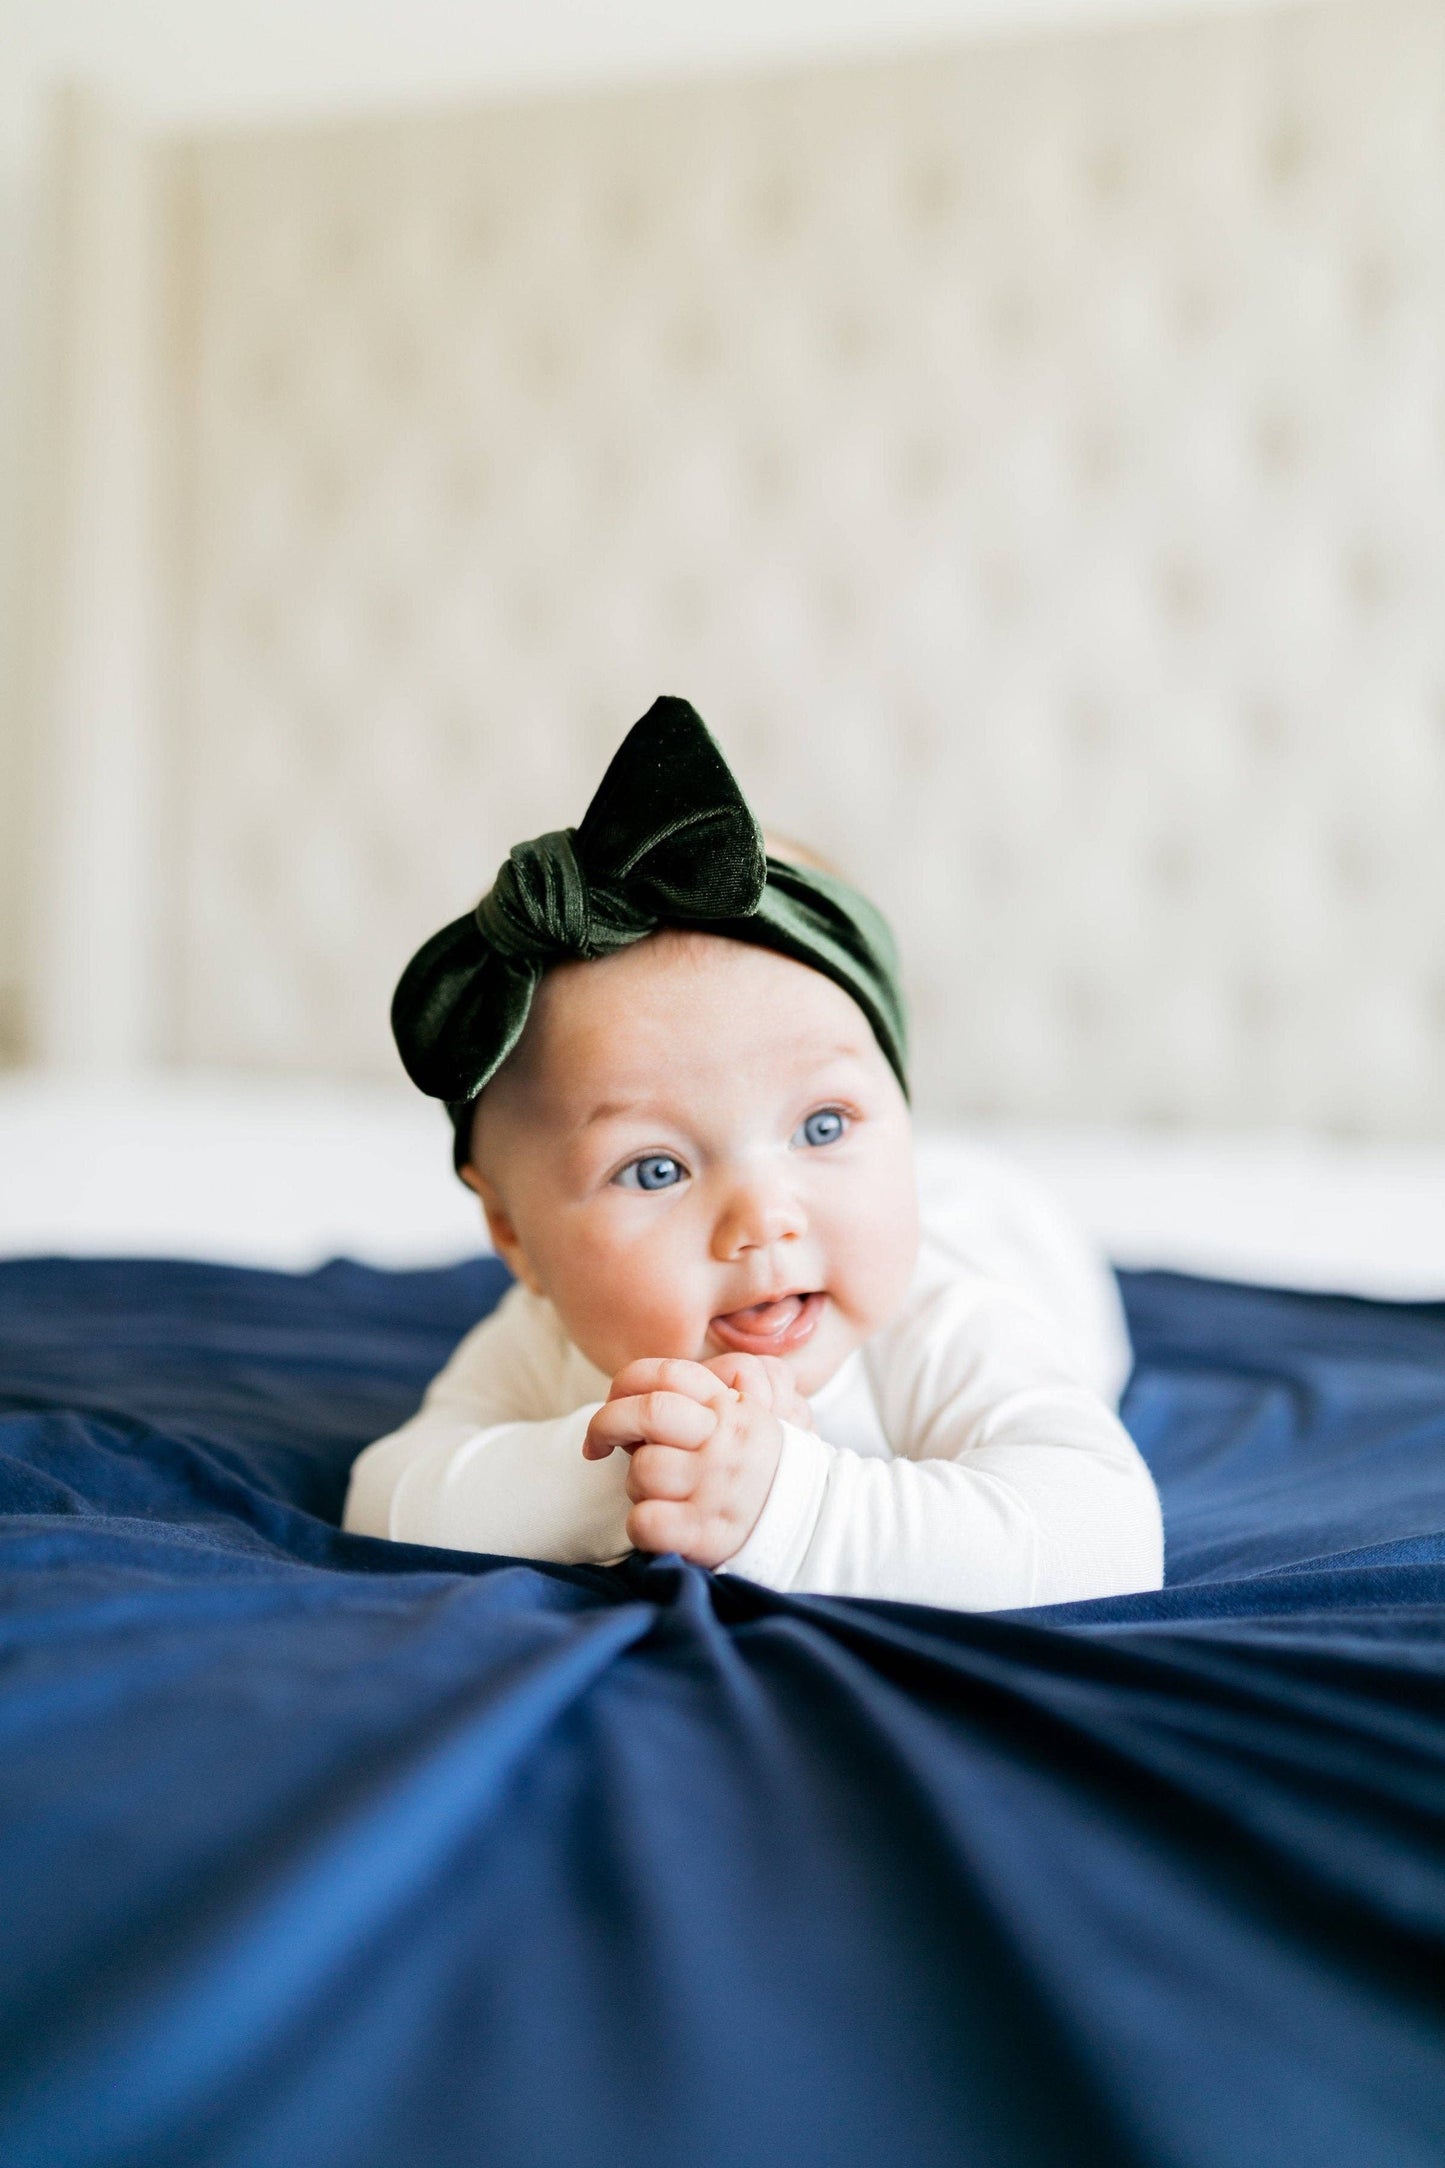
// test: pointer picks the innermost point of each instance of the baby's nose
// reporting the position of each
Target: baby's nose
(756, 1215)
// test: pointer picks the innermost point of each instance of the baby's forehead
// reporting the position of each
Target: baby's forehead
(680, 1001)
(679, 973)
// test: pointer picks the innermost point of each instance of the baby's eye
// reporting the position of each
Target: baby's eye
(656, 1171)
(824, 1127)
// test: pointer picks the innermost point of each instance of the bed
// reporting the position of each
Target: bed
(323, 1849)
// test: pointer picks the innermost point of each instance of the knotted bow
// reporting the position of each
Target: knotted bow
(668, 835)
(668, 838)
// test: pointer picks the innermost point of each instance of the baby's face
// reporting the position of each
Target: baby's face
(699, 1146)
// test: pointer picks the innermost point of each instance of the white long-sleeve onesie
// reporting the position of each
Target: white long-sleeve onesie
(967, 1455)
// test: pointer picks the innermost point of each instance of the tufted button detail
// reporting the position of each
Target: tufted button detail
(1090, 729)
(696, 342)
(1108, 173)
(399, 366)
(838, 603)
(466, 484)
(1187, 592)
(1376, 285)
(1261, 1005)
(1098, 456)
(1279, 443)
(1197, 311)
(1084, 1005)
(1175, 867)
(626, 214)
(475, 236)
(1370, 576)
(532, 613)
(327, 489)
(1287, 152)
(932, 194)
(1268, 726)
(386, 620)
(259, 620)
(344, 249)
(775, 208)
(1359, 867)
(1003, 581)
(767, 469)
(545, 360)
(1016, 319)
(924, 469)
(686, 604)
(270, 380)
(853, 337)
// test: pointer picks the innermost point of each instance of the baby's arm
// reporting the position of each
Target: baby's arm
(1015, 1484)
(486, 1465)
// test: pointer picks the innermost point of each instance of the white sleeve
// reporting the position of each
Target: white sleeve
(1013, 1482)
(488, 1463)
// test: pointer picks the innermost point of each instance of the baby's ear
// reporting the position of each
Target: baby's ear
(505, 1239)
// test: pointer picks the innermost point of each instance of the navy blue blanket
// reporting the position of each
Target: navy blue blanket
(316, 1850)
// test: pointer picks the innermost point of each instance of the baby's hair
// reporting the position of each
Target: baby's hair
(781, 846)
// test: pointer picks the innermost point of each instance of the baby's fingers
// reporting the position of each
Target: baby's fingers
(754, 1376)
(767, 1380)
(667, 1374)
(659, 1524)
(649, 1419)
(660, 1471)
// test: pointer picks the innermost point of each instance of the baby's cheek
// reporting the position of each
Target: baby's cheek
(874, 1267)
(863, 1300)
(633, 1314)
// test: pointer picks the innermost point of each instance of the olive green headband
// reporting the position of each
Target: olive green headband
(667, 840)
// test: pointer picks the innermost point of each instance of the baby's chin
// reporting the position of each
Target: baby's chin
(814, 1369)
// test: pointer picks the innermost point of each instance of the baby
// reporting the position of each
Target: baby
(732, 1337)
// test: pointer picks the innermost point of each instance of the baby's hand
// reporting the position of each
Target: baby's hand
(766, 1379)
(703, 1456)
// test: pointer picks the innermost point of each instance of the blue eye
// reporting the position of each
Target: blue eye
(824, 1127)
(657, 1171)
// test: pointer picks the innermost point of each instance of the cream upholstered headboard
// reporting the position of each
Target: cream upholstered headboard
(1030, 458)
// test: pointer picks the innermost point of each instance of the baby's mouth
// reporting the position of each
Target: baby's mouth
(769, 1328)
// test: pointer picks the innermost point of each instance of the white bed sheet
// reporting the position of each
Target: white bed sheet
(288, 1174)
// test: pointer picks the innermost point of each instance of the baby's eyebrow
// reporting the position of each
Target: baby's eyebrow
(845, 1052)
(643, 1109)
(610, 1109)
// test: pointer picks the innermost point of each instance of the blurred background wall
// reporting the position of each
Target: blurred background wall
(175, 65)
(1019, 432)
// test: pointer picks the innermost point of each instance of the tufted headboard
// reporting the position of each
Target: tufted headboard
(1030, 457)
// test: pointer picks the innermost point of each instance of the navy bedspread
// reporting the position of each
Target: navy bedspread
(324, 1851)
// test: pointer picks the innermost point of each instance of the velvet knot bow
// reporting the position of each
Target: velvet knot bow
(668, 839)
(668, 836)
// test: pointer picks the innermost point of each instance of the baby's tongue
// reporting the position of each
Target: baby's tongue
(766, 1317)
(768, 1328)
